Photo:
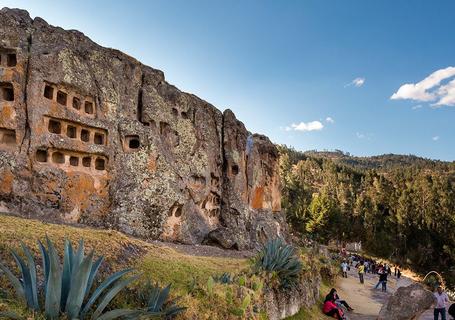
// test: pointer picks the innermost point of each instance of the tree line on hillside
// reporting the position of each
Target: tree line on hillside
(400, 207)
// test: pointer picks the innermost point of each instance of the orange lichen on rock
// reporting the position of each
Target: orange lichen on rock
(258, 198)
(6, 182)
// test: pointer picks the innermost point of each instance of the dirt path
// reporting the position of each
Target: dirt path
(366, 300)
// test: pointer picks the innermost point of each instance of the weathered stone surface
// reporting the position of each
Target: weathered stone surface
(407, 303)
(90, 135)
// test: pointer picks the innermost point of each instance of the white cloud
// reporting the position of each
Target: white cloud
(329, 120)
(306, 126)
(417, 107)
(357, 82)
(360, 135)
(435, 138)
(430, 89)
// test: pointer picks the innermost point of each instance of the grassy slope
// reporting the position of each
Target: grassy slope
(157, 263)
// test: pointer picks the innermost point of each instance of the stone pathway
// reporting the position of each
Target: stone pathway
(366, 300)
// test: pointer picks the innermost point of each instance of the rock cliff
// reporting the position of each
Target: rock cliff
(90, 135)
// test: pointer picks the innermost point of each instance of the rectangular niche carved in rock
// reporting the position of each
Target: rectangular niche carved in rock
(88, 107)
(7, 137)
(100, 164)
(41, 155)
(61, 98)
(54, 126)
(49, 92)
(87, 162)
(74, 161)
(58, 157)
(76, 103)
(71, 131)
(85, 135)
(98, 138)
(131, 143)
(7, 91)
(11, 60)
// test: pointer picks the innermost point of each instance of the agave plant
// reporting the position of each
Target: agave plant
(279, 258)
(158, 304)
(66, 289)
(225, 278)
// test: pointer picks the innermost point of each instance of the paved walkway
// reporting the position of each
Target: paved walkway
(366, 300)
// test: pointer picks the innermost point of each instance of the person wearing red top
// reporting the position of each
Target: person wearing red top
(330, 309)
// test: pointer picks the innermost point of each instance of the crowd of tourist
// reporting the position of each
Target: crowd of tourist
(335, 307)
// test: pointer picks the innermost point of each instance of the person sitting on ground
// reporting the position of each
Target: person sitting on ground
(330, 309)
(334, 297)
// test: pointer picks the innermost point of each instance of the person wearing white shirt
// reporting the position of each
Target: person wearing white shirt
(344, 269)
(441, 300)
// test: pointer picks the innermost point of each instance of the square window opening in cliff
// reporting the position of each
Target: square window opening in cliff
(76, 103)
(11, 60)
(62, 98)
(175, 112)
(100, 164)
(7, 91)
(235, 169)
(71, 132)
(74, 161)
(99, 138)
(41, 155)
(133, 142)
(49, 92)
(88, 106)
(87, 162)
(55, 127)
(184, 115)
(9, 137)
(58, 157)
(85, 135)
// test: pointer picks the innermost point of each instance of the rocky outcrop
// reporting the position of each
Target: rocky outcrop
(91, 135)
(407, 303)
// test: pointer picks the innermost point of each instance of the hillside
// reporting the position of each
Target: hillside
(188, 268)
(400, 207)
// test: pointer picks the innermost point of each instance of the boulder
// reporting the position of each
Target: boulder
(407, 303)
(90, 135)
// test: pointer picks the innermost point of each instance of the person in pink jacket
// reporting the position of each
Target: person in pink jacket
(330, 309)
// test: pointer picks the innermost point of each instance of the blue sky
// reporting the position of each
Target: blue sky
(284, 67)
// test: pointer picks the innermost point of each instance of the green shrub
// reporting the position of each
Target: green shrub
(280, 260)
(66, 289)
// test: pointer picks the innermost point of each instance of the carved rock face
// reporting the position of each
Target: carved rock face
(90, 135)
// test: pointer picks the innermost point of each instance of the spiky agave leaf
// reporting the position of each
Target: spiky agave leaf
(107, 298)
(277, 257)
(93, 273)
(78, 287)
(32, 268)
(15, 282)
(159, 303)
(106, 283)
(66, 274)
(45, 263)
(26, 281)
(54, 284)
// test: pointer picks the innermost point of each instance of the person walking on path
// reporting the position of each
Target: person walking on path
(441, 300)
(344, 269)
(398, 273)
(361, 272)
